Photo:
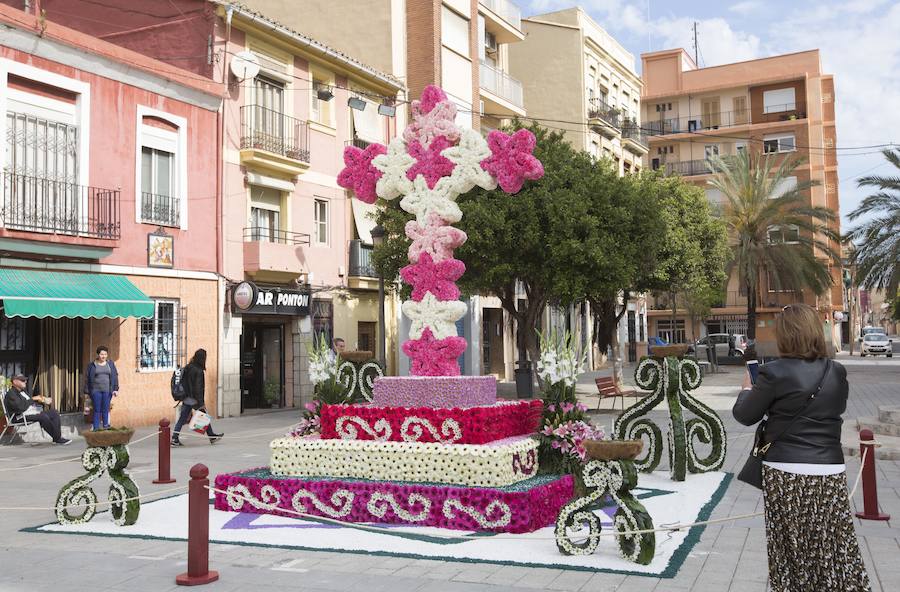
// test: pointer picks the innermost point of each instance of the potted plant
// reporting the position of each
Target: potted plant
(272, 392)
(108, 437)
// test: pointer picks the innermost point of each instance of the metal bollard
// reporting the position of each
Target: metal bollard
(198, 572)
(165, 453)
(870, 489)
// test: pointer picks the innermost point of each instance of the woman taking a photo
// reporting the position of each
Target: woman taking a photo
(809, 529)
(101, 385)
(193, 379)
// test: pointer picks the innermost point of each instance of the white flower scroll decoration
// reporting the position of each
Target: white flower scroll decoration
(341, 502)
(467, 155)
(378, 505)
(381, 430)
(393, 166)
(423, 201)
(411, 430)
(495, 508)
(439, 316)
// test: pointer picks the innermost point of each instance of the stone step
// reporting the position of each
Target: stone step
(889, 449)
(878, 427)
(889, 414)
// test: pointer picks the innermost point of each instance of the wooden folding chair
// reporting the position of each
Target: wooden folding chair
(607, 388)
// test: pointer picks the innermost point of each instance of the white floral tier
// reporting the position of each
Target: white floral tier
(434, 391)
(500, 463)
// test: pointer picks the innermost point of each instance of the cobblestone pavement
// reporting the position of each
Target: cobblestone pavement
(729, 557)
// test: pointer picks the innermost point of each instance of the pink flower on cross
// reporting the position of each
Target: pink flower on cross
(431, 96)
(359, 175)
(437, 278)
(429, 161)
(434, 357)
(435, 238)
(511, 160)
(439, 121)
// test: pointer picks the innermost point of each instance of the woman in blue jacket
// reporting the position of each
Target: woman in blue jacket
(101, 385)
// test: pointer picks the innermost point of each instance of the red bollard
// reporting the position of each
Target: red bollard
(165, 450)
(198, 572)
(870, 490)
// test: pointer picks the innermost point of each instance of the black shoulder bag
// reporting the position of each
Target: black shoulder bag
(751, 474)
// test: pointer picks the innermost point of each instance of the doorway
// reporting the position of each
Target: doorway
(262, 366)
(492, 342)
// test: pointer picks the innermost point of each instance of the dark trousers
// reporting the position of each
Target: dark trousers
(100, 402)
(184, 416)
(49, 421)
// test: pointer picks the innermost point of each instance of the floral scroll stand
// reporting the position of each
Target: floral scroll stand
(609, 472)
(106, 453)
(669, 378)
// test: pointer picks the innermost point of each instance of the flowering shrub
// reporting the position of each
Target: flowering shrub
(564, 425)
(323, 373)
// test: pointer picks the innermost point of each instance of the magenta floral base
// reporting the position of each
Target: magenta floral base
(523, 507)
(458, 425)
(434, 391)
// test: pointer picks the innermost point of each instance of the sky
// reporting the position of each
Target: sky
(858, 41)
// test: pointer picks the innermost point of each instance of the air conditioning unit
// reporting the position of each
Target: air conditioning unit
(490, 42)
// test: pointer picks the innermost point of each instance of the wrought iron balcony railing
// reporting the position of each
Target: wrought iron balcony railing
(160, 209)
(361, 259)
(358, 142)
(600, 109)
(688, 168)
(632, 131)
(271, 235)
(272, 131)
(36, 204)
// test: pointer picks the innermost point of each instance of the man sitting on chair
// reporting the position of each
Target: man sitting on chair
(19, 403)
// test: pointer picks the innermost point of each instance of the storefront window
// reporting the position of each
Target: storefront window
(158, 338)
(323, 320)
(12, 345)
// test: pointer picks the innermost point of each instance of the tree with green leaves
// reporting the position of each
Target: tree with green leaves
(772, 227)
(692, 250)
(876, 240)
(559, 239)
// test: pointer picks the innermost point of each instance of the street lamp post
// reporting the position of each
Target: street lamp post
(377, 241)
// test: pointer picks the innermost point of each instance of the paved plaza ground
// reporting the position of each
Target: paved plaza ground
(729, 557)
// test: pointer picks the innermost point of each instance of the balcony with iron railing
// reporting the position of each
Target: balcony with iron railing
(687, 168)
(358, 142)
(504, 86)
(604, 117)
(39, 205)
(272, 139)
(506, 10)
(361, 260)
(631, 131)
(273, 251)
(724, 119)
(160, 209)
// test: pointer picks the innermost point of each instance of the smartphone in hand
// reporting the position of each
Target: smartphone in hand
(753, 370)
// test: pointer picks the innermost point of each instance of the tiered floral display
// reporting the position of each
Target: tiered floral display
(435, 448)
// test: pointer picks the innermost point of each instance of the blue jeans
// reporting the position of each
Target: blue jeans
(100, 402)
(184, 416)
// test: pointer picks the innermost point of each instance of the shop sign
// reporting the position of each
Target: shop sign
(248, 298)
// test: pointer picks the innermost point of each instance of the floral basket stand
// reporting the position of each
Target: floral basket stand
(107, 452)
(670, 377)
(609, 471)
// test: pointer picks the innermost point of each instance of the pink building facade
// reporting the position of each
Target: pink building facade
(288, 231)
(108, 233)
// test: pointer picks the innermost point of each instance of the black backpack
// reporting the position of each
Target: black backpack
(176, 385)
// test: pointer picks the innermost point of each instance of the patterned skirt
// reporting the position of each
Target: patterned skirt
(809, 534)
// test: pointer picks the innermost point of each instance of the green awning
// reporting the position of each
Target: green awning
(30, 293)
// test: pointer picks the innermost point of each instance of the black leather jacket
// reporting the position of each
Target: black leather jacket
(782, 388)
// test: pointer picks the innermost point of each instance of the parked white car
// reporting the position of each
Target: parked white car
(876, 344)
(721, 342)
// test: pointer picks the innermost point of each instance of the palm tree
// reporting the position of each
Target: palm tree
(772, 227)
(877, 240)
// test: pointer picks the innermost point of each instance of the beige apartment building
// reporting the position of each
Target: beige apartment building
(782, 105)
(580, 80)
